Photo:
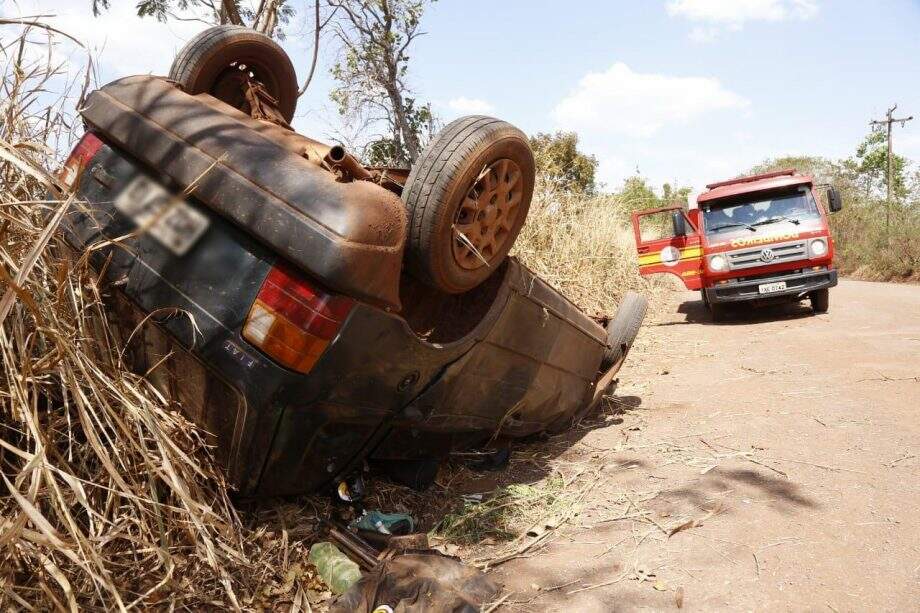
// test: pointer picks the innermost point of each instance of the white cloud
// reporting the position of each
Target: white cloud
(704, 34)
(719, 15)
(737, 12)
(627, 103)
(121, 43)
(470, 106)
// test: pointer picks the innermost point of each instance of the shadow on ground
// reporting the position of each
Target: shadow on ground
(695, 312)
(531, 463)
(783, 495)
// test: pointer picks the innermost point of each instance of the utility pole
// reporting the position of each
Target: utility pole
(878, 123)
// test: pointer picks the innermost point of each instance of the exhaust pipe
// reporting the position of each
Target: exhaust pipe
(345, 166)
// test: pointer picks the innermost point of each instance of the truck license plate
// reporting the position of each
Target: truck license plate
(172, 222)
(769, 288)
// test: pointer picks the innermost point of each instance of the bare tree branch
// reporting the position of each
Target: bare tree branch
(375, 36)
(316, 31)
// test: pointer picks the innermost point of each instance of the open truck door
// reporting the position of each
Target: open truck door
(668, 241)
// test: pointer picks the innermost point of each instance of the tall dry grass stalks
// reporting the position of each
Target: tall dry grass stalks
(583, 245)
(109, 499)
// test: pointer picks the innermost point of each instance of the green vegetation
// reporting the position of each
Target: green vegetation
(874, 241)
(560, 163)
(507, 513)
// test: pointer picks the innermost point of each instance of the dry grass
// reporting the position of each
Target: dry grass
(109, 497)
(506, 512)
(583, 245)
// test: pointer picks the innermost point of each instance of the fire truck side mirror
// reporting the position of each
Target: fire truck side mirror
(834, 203)
(679, 223)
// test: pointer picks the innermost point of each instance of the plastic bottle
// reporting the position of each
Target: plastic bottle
(334, 567)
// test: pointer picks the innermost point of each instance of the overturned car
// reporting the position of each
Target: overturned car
(310, 313)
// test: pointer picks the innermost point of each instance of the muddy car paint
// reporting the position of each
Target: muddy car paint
(379, 391)
(350, 235)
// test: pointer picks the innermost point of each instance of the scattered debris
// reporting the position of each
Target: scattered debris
(418, 582)
(335, 568)
(384, 523)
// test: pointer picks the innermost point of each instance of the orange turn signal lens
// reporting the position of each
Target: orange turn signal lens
(292, 321)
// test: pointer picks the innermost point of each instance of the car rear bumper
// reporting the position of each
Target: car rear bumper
(348, 236)
(798, 283)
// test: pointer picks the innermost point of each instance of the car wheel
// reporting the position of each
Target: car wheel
(623, 328)
(467, 197)
(219, 60)
(820, 300)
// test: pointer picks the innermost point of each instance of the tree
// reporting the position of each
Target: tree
(871, 162)
(559, 162)
(636, 194)
(375, 36)
(671, 195)
(265, 17)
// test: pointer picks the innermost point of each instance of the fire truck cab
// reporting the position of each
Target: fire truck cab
(760, 239)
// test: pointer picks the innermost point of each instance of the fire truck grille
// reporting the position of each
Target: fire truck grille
(768, 254)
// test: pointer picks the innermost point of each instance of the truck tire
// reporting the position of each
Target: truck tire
(218, 60)
(820, 300)
(718, 312)
(623, 328)
(467, 197)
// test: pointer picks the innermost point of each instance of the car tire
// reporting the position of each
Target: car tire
(623, 328)
(213, 62)
(467, 197)
(820, 300)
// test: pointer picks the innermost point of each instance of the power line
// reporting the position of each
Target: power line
(878, 123)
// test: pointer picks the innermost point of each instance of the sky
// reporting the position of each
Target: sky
(680, 91)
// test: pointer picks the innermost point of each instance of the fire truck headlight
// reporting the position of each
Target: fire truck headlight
(818, 248)
(718, 263)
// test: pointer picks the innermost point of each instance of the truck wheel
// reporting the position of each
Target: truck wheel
(467, 197)
(718, 312)
(820, 300)
(219, 60)
(623, 328)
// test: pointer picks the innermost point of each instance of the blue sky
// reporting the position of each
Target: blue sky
(687, 91)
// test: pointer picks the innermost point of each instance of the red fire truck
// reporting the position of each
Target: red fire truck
(761, 239)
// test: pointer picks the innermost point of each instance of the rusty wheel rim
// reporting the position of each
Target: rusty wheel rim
(230, 84)
(484, 221)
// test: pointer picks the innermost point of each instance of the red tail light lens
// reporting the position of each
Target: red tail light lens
(81, 155)
(292, 320)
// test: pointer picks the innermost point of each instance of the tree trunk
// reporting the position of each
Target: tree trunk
(408, 135)
(267, 18)
(229, 13)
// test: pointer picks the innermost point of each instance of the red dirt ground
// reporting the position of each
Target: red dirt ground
(791, 439)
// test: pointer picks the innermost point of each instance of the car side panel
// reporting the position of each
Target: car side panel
(538, 363)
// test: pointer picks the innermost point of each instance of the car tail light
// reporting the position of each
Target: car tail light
(293, 321)
(85, 150)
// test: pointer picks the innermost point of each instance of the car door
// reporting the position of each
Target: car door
(668, 241)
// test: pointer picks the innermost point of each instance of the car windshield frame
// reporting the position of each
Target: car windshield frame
(759, 211)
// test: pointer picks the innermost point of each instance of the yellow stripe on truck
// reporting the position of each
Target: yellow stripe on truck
(685, 254)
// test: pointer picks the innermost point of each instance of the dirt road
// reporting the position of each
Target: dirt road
(786, 447)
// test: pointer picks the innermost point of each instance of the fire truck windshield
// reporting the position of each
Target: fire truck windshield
(760, 211)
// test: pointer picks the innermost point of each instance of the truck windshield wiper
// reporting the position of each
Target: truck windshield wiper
(734, 224)
(776, 219)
